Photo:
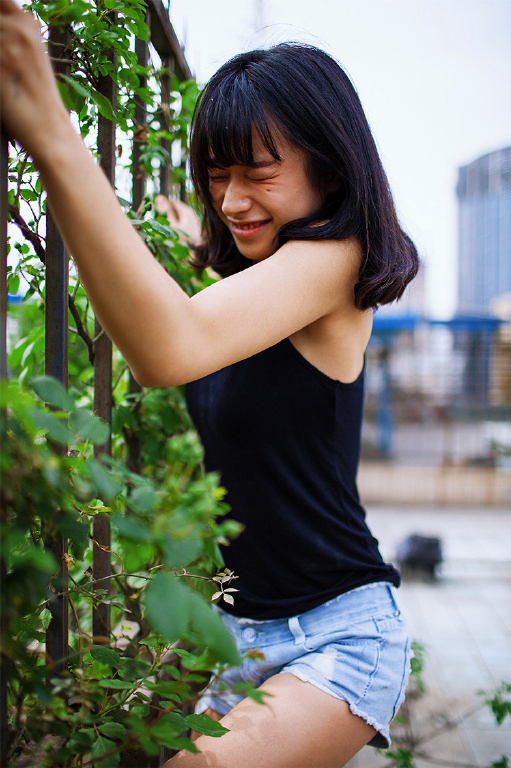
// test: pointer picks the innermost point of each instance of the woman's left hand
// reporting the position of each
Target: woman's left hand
(182, 218)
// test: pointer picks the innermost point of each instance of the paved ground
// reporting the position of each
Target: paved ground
(464, 622)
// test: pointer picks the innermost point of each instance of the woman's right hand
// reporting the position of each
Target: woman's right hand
(32, 111)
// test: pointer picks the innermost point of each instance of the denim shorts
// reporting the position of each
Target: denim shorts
(354, 647)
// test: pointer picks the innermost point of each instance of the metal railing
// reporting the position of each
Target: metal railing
(164, 41)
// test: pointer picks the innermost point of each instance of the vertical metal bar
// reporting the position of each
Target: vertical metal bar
(139, 182)
(3, 375)
(166, 168)
(101, 564)
(138, 194)
(56, 327)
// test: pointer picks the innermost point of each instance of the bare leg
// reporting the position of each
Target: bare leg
(298, 727)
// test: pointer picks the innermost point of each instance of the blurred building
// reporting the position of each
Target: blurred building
(440, 390)
(484, 239)
(484, 272)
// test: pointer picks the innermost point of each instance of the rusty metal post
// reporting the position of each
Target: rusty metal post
(3, 375)
(139, 182)
(138, 194)
(56, 337)
(102, 566)
(166, 168)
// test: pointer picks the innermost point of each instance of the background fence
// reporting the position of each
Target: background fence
(437, 420)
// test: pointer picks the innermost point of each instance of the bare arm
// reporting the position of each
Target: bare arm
(165, 337)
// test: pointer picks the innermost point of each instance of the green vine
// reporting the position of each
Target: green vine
(117, 704)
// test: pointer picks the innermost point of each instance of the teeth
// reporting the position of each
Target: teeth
(252, 225)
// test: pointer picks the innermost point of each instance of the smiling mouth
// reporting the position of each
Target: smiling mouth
(247, 228)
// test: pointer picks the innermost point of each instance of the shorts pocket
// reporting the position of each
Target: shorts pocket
(395, 658)
(351, 660)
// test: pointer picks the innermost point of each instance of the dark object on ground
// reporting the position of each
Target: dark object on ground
(418, 556)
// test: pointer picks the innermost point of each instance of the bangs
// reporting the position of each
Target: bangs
(225, 123)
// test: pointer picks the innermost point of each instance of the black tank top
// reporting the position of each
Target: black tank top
(285, 439)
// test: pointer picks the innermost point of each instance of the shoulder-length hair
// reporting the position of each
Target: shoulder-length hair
(302, 93)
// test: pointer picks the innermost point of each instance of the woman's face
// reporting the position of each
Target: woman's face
(255, 201)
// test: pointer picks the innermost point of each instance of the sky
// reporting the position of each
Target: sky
(434, 77)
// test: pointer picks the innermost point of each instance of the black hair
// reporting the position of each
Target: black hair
(301, 92)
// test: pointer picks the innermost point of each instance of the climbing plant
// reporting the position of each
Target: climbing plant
(119, 702)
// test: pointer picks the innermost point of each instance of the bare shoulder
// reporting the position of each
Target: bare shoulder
(341, 257)
(330, 269)
(336, 341)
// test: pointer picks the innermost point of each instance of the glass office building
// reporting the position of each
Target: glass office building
(484, 240)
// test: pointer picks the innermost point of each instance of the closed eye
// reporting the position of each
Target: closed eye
(259, 178)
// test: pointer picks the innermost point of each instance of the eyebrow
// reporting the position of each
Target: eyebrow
(264, 163)
(255, 165)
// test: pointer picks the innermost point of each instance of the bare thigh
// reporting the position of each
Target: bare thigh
(299, 726)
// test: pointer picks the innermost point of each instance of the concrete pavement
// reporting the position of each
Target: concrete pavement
(463, 620)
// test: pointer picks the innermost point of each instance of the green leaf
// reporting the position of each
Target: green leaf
(168, 604)
(89, 427)
(131, 528)
(143, 498)
(67, 97)
(120, 685)
(213, 633)
(113, 730)
(139, 29)
(102, 104)
(28, 194)
(123, 417)
(165, 688)
(13, 285)
(204, 724)
(37, 558)
(77, 87)
(139, 557)
(100, 748)
(53, 392)
(173, 721)
(172, 742)
(134, 669)
(45, 617)
(77, 531)
(181, 553)
(75, 11)
(127, 75)
(83, 738)
(108, 487)
(168, 232)
(106, 656)
(55, 428)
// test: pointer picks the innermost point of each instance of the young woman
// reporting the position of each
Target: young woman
(299, 221)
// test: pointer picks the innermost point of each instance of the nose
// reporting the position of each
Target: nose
(235, 199)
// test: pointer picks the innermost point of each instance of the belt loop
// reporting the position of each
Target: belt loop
(296, 630)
